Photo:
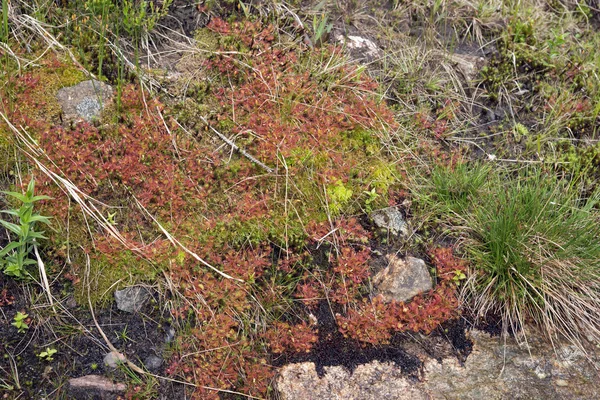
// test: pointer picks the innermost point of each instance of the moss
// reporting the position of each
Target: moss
(207, 40)
(338, 197)
(40, 102)
(114, 272)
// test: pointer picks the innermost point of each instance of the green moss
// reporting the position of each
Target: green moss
(338, 197)
(207, 40)
(114, 272)
(383, 176)
(41, 102)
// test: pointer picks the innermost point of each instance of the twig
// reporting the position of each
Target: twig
(179, 244)
(43, 275)
(237, 148)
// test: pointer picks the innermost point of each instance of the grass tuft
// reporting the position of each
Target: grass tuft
(532, 243)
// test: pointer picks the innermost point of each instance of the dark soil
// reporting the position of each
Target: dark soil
(80, 347)
(333, 349)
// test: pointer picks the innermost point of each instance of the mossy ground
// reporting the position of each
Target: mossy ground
(319, 142)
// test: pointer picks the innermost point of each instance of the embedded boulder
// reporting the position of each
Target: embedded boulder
(497, 368)
(361, 49)
(390, 219)
(402, 279)
(132, 299)
(84, 101)
(372, 381)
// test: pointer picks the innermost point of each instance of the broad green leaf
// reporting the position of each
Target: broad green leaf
(40, 218)
(40, 197)
(16, 229)
(30, 188)
(21, 197)
(11, 212)
(9, 247)
(36, 235)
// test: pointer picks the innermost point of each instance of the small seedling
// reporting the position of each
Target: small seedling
(371, 197)
(320, 29)
(458, 276)
(94, 366)
(122, 335)
(19, 322)
(110, 217)
(48, 354)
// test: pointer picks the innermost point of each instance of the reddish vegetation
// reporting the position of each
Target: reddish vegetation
(279, 108)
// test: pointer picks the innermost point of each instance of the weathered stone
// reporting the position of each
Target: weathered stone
(360, 48)
(391, 219)
(466, 64)
(495, 369)
(84, 101)
(508, 370)
(94, 387)
(113, 359)
(170, 335)
(153, 363)
(402, 279)
(371, 381)
(131, 299)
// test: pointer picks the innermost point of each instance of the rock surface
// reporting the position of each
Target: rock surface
(94, 387)
(371, 381)
(153, 363)
(494, 370)
(390, 219)
(468, 65)
(132, 299)
(113, 359)
(360, 48)
(402, 279)
(84, 101)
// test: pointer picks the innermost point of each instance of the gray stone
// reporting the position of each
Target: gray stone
(360, 48)
(153, 363)
(391, 219)
(113, 359)
(466, 64)
(495, 369)
(373, 381)
(402, 279)
(170, 335)
(84, 101)
(94, 387)
(132, 299)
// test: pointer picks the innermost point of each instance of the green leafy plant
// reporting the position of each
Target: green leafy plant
(320, 28)
(48, 354)
(14, 258)
(140, 17)
(19, 322)
(371, 197)
(122, 335)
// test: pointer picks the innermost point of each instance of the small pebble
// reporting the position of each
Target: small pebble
(561, 382)
(113, 359)
(153, 363)
(170, 335)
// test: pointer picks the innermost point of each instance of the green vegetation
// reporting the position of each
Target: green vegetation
(234, 170)
(19, 322)
(16, 255)
(531, 239)
(48, 354)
